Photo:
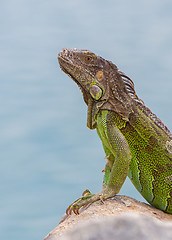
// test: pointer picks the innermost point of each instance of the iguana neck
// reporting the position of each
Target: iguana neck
(93, 109)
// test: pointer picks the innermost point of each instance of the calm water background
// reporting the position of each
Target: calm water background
(48, 156)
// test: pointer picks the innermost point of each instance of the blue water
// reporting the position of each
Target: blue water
(48, 156)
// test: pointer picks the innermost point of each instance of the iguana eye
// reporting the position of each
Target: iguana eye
(88, 59)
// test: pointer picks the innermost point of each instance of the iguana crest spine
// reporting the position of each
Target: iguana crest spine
(129, 85)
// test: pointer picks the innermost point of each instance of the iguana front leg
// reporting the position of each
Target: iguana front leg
(116, 145)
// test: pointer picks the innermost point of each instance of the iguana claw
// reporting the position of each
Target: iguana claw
(80, 202)
(88, 198)
(72, 208)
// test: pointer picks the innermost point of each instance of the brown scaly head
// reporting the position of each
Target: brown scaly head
(100, 81)
(103, 86)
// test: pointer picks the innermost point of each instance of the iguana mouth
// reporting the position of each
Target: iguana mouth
(62, 62)
(65, 61)
(73, 78)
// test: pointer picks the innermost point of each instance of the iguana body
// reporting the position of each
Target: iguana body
(135, 141)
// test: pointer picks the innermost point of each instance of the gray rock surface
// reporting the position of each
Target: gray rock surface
(120, 217)
(124, 227)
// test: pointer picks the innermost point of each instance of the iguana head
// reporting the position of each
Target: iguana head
(99, 80)
(86, 69)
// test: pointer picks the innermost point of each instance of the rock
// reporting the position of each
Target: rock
(130, 227)
(119, 217)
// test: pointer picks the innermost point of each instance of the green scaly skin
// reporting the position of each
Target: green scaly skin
(135, 141)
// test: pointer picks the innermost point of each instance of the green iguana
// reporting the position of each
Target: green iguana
(135, 141)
